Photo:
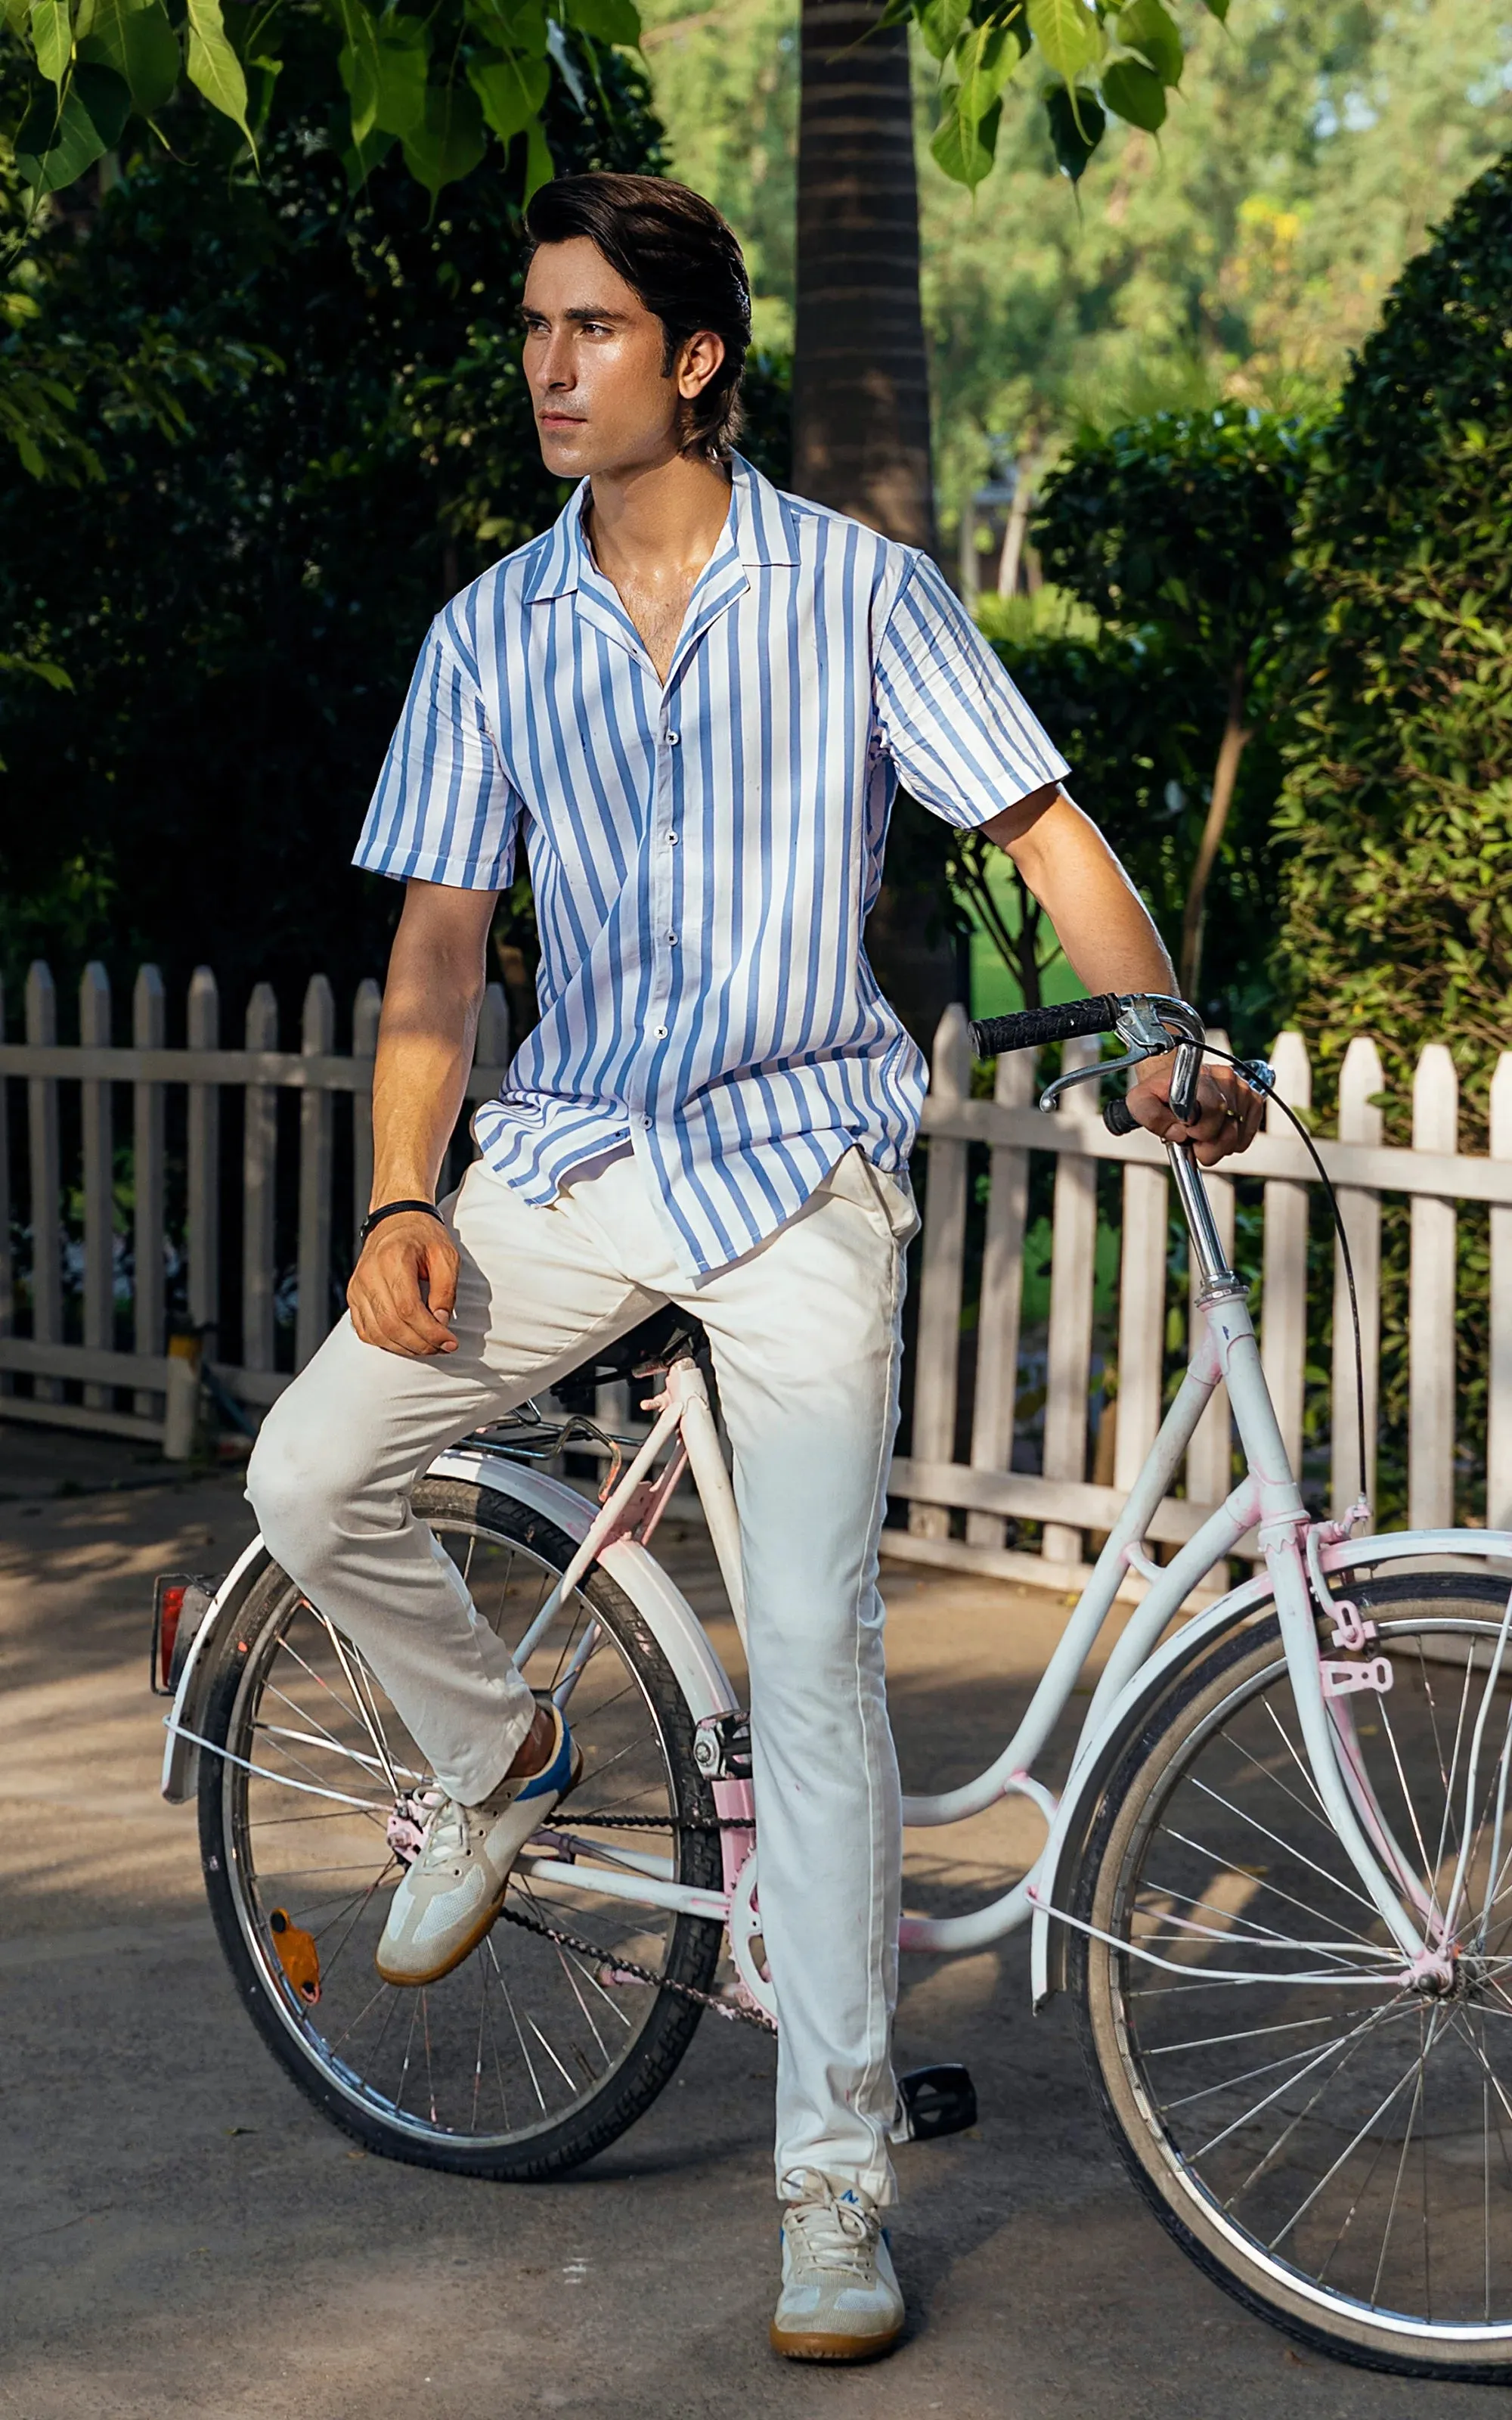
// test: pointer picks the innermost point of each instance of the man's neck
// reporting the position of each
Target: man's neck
(658, 524)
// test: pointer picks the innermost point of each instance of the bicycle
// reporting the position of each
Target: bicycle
(1278, 1883)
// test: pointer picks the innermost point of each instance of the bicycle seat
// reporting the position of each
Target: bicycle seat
(648, 1346)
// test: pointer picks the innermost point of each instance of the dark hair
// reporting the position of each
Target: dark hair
(675, 251)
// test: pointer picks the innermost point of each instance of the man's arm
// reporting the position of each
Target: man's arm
(1106, 932)
(403, 1286)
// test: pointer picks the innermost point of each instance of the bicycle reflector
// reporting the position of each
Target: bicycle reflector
(181, 1601)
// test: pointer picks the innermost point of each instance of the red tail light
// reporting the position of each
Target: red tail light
(180, 1601)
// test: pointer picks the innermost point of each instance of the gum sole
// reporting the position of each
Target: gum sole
(418, 1982)
(824, 2346)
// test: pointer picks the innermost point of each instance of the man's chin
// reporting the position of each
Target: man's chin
(567, 453)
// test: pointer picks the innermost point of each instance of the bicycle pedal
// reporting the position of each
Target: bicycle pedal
(934, 2101)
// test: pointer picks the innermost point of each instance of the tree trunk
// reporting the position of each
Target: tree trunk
(860, 385)
(1231, 748)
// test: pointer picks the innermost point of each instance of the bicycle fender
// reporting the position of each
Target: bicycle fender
(661, 1603)
(181, 1757)
(1056, 1879)
(656, 1598)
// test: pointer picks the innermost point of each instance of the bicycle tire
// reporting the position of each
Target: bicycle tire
(1216, 2196)
(661, 2024)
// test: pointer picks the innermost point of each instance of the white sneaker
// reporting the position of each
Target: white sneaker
(839, 2297)
(456, 1887)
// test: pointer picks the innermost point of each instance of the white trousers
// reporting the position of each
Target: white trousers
(805, 1334)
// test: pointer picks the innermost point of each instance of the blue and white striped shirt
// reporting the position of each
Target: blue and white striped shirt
(703, 856)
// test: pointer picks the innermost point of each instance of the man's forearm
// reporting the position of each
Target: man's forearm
(1102, 923)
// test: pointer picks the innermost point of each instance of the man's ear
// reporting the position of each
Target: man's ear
(699, 361)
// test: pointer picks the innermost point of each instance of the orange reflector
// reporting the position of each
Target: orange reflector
(170, 1607)
(298, 1956)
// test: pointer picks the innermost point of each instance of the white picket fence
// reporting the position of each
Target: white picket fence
(959, 1508)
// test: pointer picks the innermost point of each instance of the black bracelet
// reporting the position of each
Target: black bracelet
(390, 1210)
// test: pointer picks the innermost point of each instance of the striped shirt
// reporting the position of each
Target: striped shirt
(704, 855)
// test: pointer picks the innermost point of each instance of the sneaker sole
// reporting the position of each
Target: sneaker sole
(822, 2345)
(482, 1930)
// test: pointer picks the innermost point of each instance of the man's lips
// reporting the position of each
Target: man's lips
(561, 419)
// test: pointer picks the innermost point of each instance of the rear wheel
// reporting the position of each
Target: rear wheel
(1331, 2143)
(533, 2055)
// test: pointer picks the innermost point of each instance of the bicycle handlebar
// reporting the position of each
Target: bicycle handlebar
(1117, 1117)
(1034, 1027)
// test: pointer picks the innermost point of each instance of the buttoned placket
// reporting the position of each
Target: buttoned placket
(665, 840)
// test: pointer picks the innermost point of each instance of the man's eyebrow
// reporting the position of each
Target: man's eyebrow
(580, 312)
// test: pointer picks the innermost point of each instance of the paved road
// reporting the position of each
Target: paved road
(181, 2235)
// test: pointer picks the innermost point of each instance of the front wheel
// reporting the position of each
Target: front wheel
(1329, 2142)
(535, 2054)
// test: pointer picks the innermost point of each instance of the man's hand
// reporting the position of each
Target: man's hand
(1228, 1109)
(404, 1288)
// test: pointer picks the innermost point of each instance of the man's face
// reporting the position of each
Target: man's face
(593, 357)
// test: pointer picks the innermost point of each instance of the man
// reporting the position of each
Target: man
(692, 698)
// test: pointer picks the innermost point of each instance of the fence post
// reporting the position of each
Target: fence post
(99, 1178)
(1499, 1400)
(1430, 1313)
(312, 1318)
(149, 1032)
(204, 1159)
(1361, 1079)
(1284, 1293)
(939, 1345)
(46, 1180)
(1072, 1274)
(259, 1172)
(1141, 1320)
(8, 1264)
(995, 1395)
(367, 1008)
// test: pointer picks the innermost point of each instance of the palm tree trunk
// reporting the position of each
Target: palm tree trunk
(860, 388)
(1231, 749)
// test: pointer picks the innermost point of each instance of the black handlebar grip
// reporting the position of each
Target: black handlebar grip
(1033, 1026)
(1117, 1117)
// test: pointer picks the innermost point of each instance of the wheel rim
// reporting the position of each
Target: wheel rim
(526, 2032)
(1350, 2140)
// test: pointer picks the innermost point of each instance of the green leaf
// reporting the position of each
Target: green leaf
(383, 67)
(1075, 130)
(965, 147)
(52, 39)
(607, 21)
(214, 68)
(1218, 9)
(986, 56)
(940, 23)
(511, 90)
(539, 165)
(515, 26)
(54, 674)
(1068, 36)
(54, 145)
(16, 15)
(360, 159)
(1134, 92)
(1145, 27)
(134, 38)
(447, 142)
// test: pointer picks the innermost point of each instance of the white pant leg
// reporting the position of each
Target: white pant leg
(807, 1344)
(339, 1457)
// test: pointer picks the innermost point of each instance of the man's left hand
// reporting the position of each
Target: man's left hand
(1228, 1109)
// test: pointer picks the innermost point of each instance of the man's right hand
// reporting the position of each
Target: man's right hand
(403, 1290)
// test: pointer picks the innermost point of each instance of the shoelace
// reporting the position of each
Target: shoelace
(447, 1833)
(834, 2234)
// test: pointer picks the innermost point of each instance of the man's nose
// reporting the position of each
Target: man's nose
(557, 368)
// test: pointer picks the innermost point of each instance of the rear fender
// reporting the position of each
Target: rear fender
(661, 1604)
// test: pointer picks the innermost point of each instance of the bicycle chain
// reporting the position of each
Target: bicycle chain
(659, 1823)
(734, 2010)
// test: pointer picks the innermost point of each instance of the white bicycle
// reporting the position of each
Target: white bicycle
(1277, 1884)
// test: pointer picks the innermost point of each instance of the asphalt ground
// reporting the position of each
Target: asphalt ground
(181, 2234)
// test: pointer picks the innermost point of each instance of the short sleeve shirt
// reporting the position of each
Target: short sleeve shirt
(703, 853)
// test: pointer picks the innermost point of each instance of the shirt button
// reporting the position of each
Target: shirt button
(661, 1033)
(672, 940)
(673, 738)
(645, 1121)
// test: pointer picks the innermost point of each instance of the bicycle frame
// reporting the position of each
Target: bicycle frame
(1297, 1554)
